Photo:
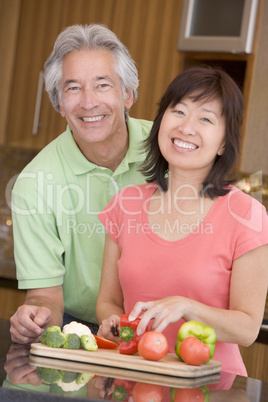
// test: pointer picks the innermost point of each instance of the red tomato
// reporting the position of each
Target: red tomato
(189, 395)
(193, 351)
(143, 392)
(153, 345)
(105, 343)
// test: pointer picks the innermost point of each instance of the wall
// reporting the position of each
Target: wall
(9, 24)
(255, 150)
(149, 28)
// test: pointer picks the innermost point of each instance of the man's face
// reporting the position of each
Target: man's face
(91, 97)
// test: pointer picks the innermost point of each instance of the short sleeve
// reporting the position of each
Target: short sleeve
(252, 229)
(35, 231)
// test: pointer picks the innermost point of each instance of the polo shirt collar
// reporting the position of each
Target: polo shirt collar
(79, 164)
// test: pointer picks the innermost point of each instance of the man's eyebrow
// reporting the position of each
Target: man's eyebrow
(68, 82)
(103, 77)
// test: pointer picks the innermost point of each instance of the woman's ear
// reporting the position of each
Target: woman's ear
(221, 150)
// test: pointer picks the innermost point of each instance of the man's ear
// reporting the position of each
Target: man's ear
(128, 99)
(62, 112)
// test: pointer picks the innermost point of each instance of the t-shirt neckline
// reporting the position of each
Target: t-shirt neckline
(180, 242)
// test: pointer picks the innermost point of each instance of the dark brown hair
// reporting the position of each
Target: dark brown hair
(200, 83)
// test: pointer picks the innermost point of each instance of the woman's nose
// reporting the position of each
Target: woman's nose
(186, 126)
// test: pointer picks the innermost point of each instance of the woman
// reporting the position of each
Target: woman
(188, 245)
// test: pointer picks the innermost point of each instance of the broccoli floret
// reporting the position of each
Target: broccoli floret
(48, 375)
(68, 376)
(88, 342)
(83, 378)
(44, 337)
(53, 337)
(72, 342)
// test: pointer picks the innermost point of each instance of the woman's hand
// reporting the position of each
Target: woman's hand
(108, 327)
(164, 312)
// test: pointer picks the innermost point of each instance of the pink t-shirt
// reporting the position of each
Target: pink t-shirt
(198, 266)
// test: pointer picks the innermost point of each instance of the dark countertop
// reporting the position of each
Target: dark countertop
(15, 359)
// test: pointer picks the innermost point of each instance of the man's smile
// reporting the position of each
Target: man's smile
(92, 119)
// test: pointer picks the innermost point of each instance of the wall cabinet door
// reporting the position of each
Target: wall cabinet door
(40, 23)
(148, 28)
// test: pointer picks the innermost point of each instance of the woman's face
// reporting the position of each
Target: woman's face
(192, 134)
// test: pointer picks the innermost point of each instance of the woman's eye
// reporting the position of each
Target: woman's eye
(180, 112)
(206, 119)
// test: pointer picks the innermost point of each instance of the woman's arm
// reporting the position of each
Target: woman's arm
(240, 324)
(110, 298)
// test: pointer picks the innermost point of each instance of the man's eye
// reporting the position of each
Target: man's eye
(104, 85)
(73, 89)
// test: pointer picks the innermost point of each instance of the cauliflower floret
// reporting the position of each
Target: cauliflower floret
(76, 328)
(80, 381)
(69, 386)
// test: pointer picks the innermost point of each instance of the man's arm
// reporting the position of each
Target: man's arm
(42, 308)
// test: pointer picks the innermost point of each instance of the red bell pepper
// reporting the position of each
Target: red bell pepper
(123, 389)
(128, 338)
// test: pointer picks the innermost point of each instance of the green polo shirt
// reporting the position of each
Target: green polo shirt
(56, 200)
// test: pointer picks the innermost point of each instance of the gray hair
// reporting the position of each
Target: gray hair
(89, 37)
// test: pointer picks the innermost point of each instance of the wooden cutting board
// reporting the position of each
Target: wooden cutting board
(169, 365)
(124, 374)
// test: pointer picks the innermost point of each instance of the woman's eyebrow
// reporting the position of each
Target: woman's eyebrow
(210, 111)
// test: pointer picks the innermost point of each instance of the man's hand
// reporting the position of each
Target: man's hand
(42, 308)
(28, 323)
(17, 366)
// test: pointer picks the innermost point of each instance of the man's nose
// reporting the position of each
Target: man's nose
(89, 99)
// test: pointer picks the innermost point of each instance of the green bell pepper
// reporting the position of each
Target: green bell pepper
(204, 333)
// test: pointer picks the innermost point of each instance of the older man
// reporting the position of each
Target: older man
(92, 81)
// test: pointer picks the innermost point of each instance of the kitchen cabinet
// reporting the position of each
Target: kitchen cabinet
(150, 31)
(153, 48)
(240, 66)
(39, 24)
(10, 300)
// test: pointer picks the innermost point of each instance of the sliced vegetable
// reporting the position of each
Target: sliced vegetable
(105, 343)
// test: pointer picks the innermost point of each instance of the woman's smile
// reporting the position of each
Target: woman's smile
(183, 145)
